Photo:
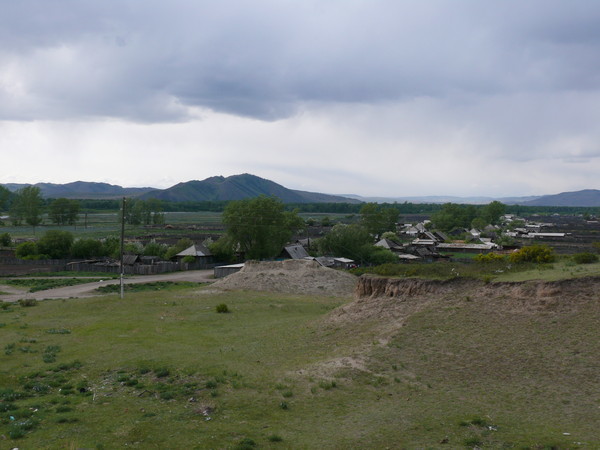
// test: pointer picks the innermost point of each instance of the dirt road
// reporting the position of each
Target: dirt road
(88, 289)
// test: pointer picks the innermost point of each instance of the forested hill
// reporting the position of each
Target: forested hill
(81, 190)
(237, 187)
(586, 197)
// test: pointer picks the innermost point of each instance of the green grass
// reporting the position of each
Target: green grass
(165, 370)
(152, 286)
(560, 270)
(41, 284)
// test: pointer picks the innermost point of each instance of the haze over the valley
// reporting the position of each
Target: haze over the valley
(381, 98)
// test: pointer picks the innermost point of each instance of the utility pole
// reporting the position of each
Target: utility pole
(122, 244)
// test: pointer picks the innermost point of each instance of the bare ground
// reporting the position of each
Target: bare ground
(292, 277)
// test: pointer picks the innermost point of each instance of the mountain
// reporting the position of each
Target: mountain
(586, 197)
(81, 190)
(443, 199)
(237, 187)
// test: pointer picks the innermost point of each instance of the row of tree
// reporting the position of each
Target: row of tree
(26, 206)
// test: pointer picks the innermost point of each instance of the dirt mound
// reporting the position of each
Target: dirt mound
(391, 300)
(290, 276)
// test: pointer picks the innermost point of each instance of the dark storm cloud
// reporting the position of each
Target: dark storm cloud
(151, 60)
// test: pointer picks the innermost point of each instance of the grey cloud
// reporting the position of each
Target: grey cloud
(150, 60)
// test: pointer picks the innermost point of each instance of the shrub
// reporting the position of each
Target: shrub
(585, 258)
(87, 248)
(489, 257)
(26, 249)
(222, 308)
(189, 259)
(25, 302)
(5, 240)
(533, 253)
(56, 243)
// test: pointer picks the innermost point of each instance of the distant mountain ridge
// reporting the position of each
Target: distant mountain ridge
(237, 187)
(81, 190)
(584, 198)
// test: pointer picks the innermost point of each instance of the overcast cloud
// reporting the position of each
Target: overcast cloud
(387, 98)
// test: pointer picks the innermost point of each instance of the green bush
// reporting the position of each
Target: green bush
(5, 240)
(26, 249)
(87, 248)
(489, 257)
(56, 243)
(585, 258)
(222, 308)
(533, 253)
(189, 259)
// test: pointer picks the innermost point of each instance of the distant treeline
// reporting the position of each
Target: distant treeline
(90, 205)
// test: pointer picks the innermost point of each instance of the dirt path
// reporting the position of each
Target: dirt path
(88, 289)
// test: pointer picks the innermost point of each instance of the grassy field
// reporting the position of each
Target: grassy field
(165, 370)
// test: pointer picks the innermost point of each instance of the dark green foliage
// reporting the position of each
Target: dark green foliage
(5, 240)
(378, 219)
(27, 206)
(585, 258)
(63, 211)
(26, 250)
(27, 302)
(87, 248)
(56, 244)
(260, 227)
(245, 444)
(161, 372)
(222, 308)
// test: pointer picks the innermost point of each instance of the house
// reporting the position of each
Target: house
(343, 263)
(223, 271)
(390, 245)
(198, 251)
(295, 251)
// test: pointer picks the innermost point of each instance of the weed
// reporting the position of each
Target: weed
(161, 372)
(222, 308)
(284, 405)
(9, 349)
(28, 302)
(58, 331)
(327, 385)
(275, 438)
(64, 409)
(473, 442)
(245, 444)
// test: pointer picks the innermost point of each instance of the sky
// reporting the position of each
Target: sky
(370, 97)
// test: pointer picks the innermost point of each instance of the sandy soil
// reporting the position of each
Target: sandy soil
(292, 277)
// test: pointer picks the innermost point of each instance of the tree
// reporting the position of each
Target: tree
(180, 246)
(345, 240)
(87, 248)
(259, 227)
(5, 194)
(492, 212)
(145, 212)
(27, 206)
(55, 243)
(5, 240)
(63, 211)
(378, 219)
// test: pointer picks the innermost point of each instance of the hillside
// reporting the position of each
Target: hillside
(81, 190)
(237, 187)
(407, 363)
(586, 197)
